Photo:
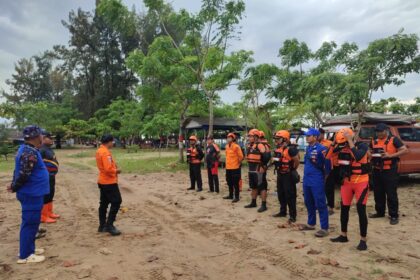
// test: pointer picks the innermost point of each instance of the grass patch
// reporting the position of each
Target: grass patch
(78, 165)
(147, 165)
(6, 166)
(84, 154)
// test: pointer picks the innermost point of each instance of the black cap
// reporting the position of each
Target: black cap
(321, 130)
(381, 127)
(107, 138)
(46, 134)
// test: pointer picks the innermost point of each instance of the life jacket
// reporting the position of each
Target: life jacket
(380, 146)
(349, 166)
(253, 154)
(193, 156)
(282, 160)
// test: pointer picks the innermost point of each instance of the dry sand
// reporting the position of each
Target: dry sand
(169, 233)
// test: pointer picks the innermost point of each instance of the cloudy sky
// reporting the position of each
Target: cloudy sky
(28, 27)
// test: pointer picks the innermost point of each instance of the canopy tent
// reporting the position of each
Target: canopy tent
(372, 118)
(202, 123)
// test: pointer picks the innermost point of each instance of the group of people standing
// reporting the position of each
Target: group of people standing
(342, 161)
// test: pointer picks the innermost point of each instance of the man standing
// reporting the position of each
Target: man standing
(108, 186)
(194, 156)
(386, 150)
(258, 156)
(234, 157)
(332, 178)
(286, 160)
(30, 182)
(50, 161)
(212, 162)
(354, 177)
(313, 183)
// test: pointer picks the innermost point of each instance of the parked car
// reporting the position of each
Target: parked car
(402, 126)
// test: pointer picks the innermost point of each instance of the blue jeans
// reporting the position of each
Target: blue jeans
(314, 196)
(31, 218)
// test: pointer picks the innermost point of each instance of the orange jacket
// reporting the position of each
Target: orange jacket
(326, 143)
(107, 167)
(234, 156)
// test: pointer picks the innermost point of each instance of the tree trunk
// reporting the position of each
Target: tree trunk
(211, 115)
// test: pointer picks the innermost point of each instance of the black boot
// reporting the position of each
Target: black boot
(228, 197)
(101, 228)
(253, 204)
(340, 239)
(112, 230)
(280, 215)
(236, 199)
(263, 207)
(362, 246)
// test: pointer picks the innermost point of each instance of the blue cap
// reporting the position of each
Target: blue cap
(31, 131)
(381, 127)
(312, 132)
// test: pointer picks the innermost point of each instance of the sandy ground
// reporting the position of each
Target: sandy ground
(169, 233)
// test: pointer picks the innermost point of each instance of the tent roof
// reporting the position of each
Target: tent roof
(371, 117)
(218, 123)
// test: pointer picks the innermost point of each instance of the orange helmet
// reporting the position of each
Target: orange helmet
(339, 136)
(261, 134)
(193, 138)
(231, 135)
(254, 132)
(282, 134)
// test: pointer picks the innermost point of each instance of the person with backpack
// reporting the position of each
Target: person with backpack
(194, 156)
(212, 162)
(286, 161)
(386, 150)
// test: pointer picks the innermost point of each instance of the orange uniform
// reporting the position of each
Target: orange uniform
(107, 167)
(326, 143)
(234, 156)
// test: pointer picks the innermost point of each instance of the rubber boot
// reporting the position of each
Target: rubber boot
(52, 214)
(45, 215)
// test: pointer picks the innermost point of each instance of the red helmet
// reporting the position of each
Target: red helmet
(231, 135)
(254, 132)
(339, 136)
(282, 134)
(193, 138)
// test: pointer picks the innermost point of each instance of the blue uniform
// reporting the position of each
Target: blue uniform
(31, 184)
(313, 184)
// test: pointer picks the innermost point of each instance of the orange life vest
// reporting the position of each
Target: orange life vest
(351, 169)
(193, 156)
(282, 160)
(253, 154)
(380, 146)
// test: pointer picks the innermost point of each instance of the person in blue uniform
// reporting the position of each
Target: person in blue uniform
(31, 184)
(313, 183)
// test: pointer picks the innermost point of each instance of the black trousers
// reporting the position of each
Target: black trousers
(109, 194)
(330, 183)
(49, 197)
(233, 176)
(213, 180)
(195, 176)
(385, 191)
(286, 193)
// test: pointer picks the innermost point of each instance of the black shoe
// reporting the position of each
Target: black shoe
(40, 235)
(228, 197)
(362, 246)
(280, 215)
(210, 191)
(199, 190)
(42, 230)
(375, 216)
(112, 230)
(251, 205)
(394, 221)
(340, 239)
(263, 208)
(235, 200)
(190, 189)
(292, 220)
(101, 229)
(330, 212)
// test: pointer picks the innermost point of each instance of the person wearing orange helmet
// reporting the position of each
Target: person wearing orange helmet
(234, 158)
(212, 162)
(194, 156)
(354, 176)
(285, 160)
(258, 157)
